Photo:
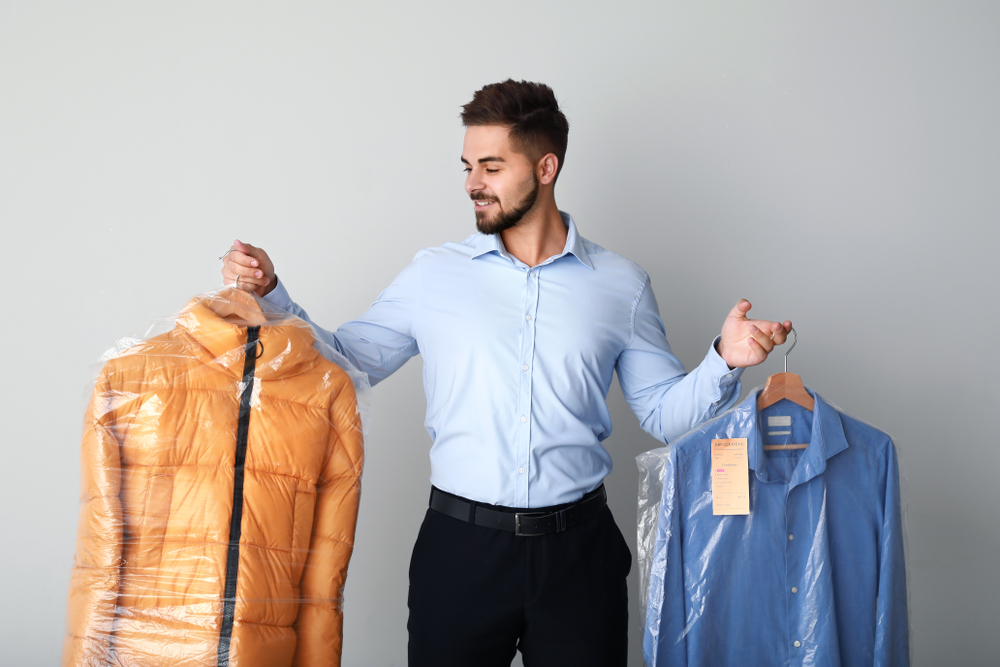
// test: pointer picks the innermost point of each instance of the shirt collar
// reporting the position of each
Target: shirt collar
(826, 441)
(575, 244)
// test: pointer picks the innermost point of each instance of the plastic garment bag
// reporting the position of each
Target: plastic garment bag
(221, 463)
(814, 574)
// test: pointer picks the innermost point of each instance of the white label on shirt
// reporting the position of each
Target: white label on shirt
(779, 432)
(778, 421)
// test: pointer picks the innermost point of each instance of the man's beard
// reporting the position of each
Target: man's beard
(507, 218)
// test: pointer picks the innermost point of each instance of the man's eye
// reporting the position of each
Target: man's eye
(492, 171)
(467, 169)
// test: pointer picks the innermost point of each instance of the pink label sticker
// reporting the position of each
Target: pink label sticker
(720, 470)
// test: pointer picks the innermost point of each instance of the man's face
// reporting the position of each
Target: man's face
(501, 182)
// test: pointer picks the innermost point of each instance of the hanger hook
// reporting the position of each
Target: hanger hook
(795, 339)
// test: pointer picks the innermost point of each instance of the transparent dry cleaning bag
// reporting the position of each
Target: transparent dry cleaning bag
(221, 463)
(803, 565)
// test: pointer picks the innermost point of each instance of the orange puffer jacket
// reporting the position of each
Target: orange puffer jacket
(221, 478)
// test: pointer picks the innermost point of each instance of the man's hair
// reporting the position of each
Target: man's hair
(530, 113)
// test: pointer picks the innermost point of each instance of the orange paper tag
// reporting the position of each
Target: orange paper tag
(730, 477)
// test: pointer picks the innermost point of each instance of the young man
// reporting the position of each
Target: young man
(521, 327)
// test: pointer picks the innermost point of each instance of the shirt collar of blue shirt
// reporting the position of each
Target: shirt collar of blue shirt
(487, 243)
(827, 440)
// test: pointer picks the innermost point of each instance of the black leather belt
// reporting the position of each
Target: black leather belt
(529, 523)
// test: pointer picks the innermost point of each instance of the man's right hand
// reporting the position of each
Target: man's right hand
(253, 267)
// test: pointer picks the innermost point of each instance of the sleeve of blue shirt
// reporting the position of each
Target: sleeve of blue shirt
(664, 642)
(892, 630)
(667, 402)
(381, 340)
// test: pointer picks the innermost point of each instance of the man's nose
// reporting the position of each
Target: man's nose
(472, 182)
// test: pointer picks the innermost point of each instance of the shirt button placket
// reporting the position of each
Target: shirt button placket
(527, 351)
(797, 549)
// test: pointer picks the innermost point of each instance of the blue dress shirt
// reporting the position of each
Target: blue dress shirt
(518, 362)
(814, 575)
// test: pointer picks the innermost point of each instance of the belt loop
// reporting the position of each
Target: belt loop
(561, 521)
(472, 512)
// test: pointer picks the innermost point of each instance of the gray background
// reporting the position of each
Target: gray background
(836, 163)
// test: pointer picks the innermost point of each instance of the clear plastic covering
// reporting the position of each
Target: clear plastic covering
(221, 465)
(813, 574)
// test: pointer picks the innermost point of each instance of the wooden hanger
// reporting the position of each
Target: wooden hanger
(788, 386)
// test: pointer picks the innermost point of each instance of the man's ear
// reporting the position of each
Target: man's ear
(546, 168)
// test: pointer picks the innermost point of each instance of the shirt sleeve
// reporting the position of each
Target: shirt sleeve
(892, 642)
(668, 401)
(382, 339)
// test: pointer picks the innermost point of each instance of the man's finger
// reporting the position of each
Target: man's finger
(233, 269)
(775, 331)
(780, 336)
(741, 309)
(778, 330)
(257, 255)
(763, 339)
(250, 284)
(238, 258)
(771, 329)
(248, 249)
(228, 277)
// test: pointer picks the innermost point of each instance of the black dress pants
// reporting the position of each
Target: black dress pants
(478, 594)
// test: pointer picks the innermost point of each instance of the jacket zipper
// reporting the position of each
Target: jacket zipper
(235, 522)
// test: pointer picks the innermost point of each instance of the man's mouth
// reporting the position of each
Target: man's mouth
(482, 203)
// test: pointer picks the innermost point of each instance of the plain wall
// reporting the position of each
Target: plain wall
(836, 163)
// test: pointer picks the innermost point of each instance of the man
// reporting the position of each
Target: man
(521, 327)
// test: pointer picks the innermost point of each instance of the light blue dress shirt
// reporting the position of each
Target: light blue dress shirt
(518, 362)
(814, 575)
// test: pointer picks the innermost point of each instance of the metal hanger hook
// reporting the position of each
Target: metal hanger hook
(795, 339)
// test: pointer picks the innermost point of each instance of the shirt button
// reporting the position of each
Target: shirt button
(523, 419)
(794, 589)
(527, 317)
(729, 376)
(790, 537)
(797, 643)
(524, 367)
(521, 470)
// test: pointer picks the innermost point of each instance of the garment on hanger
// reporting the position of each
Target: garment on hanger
(814, 574)
(221, 465)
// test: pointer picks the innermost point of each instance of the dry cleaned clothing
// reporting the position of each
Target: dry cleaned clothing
(518, 362)
(814, 575)
(221, 479)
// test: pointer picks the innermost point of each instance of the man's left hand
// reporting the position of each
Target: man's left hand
(747, 342)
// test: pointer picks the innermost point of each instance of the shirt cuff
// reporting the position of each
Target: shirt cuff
(280, 298)
(717, 366)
